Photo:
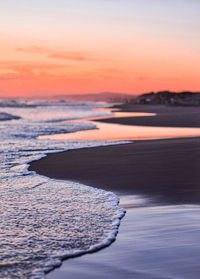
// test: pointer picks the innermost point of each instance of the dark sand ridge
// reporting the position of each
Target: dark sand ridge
(167, 116)
(167, 170)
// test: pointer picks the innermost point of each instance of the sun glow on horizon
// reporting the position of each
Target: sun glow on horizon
(127, 46)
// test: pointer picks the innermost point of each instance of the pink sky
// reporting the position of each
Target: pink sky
(60, 47)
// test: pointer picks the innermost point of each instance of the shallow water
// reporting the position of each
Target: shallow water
(43, 221)
(153, 243)
(118, 132)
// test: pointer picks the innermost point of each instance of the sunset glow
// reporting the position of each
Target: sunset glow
(118, 132)
(58, 47)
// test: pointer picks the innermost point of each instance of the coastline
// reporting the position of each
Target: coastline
(110, 167)
(150, 168)
(166, 116)
(152, 243)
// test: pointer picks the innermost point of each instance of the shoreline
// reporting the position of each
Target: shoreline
(152, 168)
(110, 167)
(149, 245)
(166, 116)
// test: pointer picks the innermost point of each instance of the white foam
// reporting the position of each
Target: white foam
(6, 116)
(49, 220)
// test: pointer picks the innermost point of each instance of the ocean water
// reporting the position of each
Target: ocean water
(160, 242)
(44, 221)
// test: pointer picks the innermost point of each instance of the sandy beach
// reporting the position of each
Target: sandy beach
(167, 116)
(100, 139)
(151, 168)
(166, 172)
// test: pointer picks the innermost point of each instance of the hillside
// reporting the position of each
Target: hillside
(97, 97)
(168, 98)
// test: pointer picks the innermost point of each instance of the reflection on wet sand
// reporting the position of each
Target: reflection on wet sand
(107, 131)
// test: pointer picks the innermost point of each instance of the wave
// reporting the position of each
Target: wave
(48, 220)
(6, 116)
(21, 103)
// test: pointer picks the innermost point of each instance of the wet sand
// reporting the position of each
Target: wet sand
(167, 116)
(153, 242)
(165, 170)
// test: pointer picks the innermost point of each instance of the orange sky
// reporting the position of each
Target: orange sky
(60, 47)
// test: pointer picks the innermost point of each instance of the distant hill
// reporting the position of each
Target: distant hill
(169, 98)
(97, 97)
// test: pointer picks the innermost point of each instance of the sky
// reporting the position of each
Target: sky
(50, 47)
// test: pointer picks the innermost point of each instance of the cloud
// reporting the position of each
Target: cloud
(69, 56)
(32, 49)
(5, 78)
(62, 55)
(17, 69)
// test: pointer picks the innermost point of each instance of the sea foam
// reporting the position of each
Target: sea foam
(44, 221)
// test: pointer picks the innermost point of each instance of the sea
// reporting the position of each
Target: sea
(44, 221)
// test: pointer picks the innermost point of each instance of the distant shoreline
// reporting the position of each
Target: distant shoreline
(166, 116)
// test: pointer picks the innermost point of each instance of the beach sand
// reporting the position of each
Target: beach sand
(155, 241)
(164, 170)
(167, 116)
